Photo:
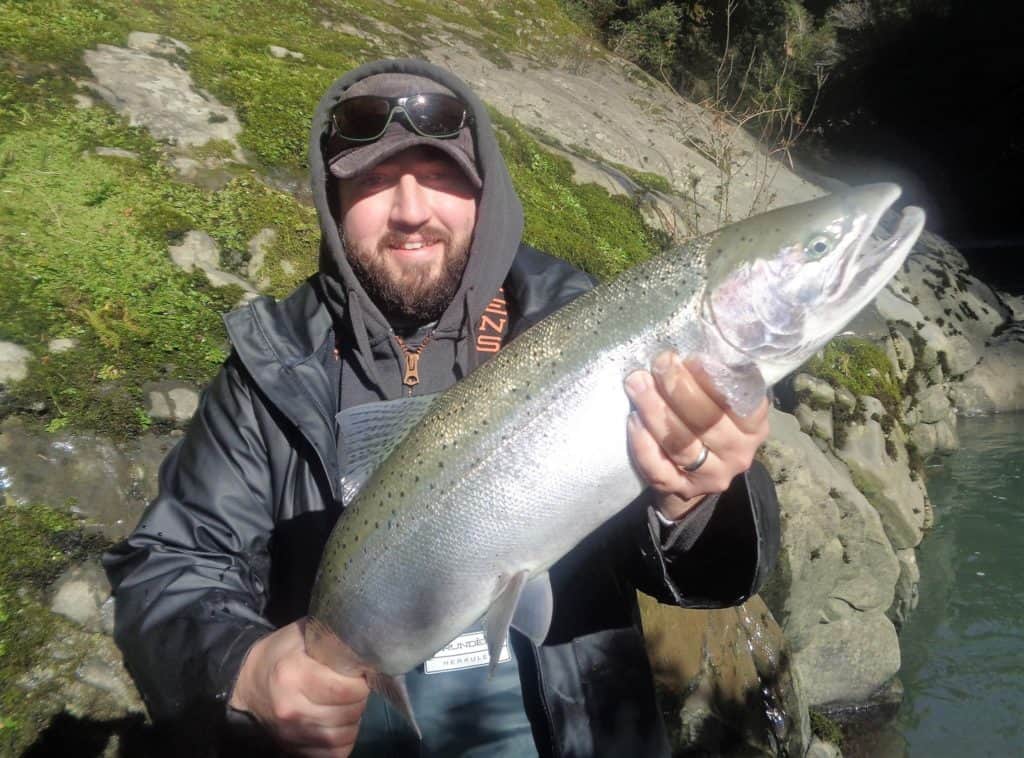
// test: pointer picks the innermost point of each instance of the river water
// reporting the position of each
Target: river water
(963, 648)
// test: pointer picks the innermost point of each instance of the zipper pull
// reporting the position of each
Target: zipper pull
(412, 366)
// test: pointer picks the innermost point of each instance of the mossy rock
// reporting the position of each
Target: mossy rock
(36, 544)
(860, 366)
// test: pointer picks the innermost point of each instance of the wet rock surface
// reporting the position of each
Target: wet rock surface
(725, 680)
(108, 484)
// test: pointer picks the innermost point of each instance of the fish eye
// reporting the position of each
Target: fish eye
(819, 246)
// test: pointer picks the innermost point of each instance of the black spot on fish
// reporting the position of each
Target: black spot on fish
(440, 464)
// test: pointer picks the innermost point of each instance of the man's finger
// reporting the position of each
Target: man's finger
(684, 394)
(679, 444)
(312, 740)
(747, 423)
(330, 716)
(325, 687)
(651, 463)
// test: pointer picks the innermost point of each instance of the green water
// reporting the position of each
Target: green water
(963, 649)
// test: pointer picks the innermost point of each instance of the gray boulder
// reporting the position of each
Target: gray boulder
(79, 595)
(198, 250)
(836, 565)
(156, 93)
(996, 383)
(881, 472)
(13, 362)
(174, 402)
(849, 659)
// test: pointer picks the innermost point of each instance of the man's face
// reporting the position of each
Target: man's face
(407, 224)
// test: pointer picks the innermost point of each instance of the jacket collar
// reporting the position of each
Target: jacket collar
(281, 346)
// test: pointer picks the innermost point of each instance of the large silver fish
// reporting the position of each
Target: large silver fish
(508, 470)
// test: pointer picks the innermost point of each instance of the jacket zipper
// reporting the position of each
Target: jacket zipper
(555, 747)
(411, 372)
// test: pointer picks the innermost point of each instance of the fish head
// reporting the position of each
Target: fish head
(781, 284)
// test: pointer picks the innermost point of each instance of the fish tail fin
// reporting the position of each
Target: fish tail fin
(325, 646)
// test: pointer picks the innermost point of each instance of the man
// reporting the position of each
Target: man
(422, 276)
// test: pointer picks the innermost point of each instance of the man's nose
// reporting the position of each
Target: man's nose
(410, 207)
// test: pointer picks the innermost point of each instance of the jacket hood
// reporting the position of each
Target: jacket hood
(496, 236)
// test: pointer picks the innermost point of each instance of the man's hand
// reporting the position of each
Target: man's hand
(307, 707)
(679, 414)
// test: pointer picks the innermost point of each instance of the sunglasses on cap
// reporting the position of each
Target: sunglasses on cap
(364, 118)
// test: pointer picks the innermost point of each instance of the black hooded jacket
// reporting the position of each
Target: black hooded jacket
(228, 550)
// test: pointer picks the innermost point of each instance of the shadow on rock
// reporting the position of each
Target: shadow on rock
(85, 738)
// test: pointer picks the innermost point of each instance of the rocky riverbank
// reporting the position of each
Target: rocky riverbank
(221, 220)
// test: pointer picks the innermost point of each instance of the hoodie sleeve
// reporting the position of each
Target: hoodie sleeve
(717, 556)
(189, 581)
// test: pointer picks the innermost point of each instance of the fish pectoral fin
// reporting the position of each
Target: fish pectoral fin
(534, 610)
(368, 433)
(393, 689)
(526, 605)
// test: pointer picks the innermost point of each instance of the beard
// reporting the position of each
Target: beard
(411, 292)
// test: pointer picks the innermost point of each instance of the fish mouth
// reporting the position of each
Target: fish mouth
(876, 259)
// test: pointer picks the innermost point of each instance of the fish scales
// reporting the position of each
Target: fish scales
(466, 511)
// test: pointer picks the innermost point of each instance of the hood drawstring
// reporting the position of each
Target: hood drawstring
(365, 352)
(467, 335)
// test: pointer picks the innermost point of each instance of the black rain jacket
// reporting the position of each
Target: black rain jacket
(228, 550)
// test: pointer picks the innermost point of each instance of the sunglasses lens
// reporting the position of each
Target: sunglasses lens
(362, 117)
(436, 115)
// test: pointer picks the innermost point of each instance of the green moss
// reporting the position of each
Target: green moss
(36, 544)
(826, 729)
(582, 223)
(860, 366)
(83, 254)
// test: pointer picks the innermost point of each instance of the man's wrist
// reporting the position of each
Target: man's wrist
(671, 508)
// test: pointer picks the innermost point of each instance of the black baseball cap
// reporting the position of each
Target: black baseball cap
(347, 158)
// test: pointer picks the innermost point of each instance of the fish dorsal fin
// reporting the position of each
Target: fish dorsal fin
(368, 433)
(526, 605)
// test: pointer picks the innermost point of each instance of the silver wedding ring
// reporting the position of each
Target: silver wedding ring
(701, 457)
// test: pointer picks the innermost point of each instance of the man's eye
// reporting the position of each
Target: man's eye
(371, 181)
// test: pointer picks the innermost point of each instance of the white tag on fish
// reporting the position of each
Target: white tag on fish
(467, 651)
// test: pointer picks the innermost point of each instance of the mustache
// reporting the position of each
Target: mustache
(428, 234)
